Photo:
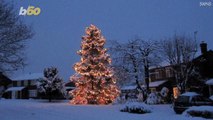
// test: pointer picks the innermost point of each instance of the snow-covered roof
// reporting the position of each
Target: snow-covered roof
(190, 94)
(30, 76)
(15, 89)
(130, 87)
(156, 83)
(162, 64)
(70, 87)
(211, 97)
(209, 82)
(198, 108)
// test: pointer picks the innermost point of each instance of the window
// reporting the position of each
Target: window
(14, 83)
(176, 92)
(32, 93)
(33, 82)
(18, 83)
(153, 89)
(157, 75)
(22, 83)
(168, 74)
(25, 82)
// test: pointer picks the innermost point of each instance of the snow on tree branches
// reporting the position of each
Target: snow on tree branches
(51, 85)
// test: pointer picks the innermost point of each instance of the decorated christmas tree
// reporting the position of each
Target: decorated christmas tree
(94, 78)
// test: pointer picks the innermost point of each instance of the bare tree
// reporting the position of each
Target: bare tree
(126, 56)
(180, 51)
(13, 34)
(138, 55)
(149, 53)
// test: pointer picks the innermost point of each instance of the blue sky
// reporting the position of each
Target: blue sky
(61, 24)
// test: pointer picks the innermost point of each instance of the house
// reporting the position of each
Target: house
(24, 87)
(69, 87)
(158, 85)
(5, 82)
(163, 76)
(204, 62)
(203, 65)
(129, 90)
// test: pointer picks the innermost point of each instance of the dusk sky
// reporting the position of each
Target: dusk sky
(61, 23)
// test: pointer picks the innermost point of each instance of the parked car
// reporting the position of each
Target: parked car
(188, 99)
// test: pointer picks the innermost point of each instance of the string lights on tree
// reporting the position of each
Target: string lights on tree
(94, 78)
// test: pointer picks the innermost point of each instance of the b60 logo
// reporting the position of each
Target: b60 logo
(31, 10)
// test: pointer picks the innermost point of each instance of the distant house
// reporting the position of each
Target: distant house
(129, 90)
(69, 87)
(158, 85)
(24, 87)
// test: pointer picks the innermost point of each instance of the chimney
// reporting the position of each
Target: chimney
(203, 47)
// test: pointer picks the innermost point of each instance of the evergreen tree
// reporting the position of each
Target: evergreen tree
(51, 85)
(94, 80)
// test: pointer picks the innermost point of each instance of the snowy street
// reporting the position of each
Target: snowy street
(42, 110)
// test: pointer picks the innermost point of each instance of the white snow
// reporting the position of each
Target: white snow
(209, 82)
(153, 98)
(130, 87)
(164, 92)
(156, 83)
(211, 97)
(42, 110)
(30, 76)
(190, 94)
(69, 88)
(129, 106)
(15, 89)
(198, 109)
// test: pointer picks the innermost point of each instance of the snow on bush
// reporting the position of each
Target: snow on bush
(153, 98)
(51, 83)
(199, 111)
(211, 97)
(136, 107)
(164, 92)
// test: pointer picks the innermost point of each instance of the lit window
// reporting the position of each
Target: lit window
(176, 92)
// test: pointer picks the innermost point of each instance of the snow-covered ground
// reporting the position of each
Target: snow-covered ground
(42, 110)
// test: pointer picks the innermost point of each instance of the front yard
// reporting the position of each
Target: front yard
(62, 110)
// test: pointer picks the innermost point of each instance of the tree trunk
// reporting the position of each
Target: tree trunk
(50, 96)
(146, 70)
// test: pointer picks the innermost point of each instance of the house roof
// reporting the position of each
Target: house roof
(160, 65)
(189, 94)
(15, 89)
(30, 76)
(157, 83)
(209, 82)
(70, 88)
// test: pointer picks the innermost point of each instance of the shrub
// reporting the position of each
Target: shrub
(200, 111)
(136, 107)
